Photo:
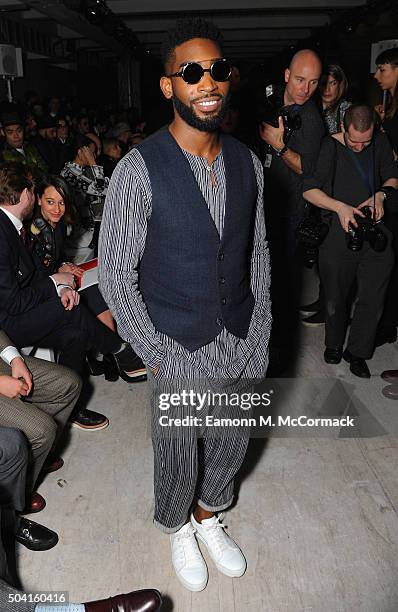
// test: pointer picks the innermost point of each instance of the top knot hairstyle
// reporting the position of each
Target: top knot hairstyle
(186, 29)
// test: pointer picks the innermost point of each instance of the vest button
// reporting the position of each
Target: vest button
(219, 321)
(220, 256)
(223, 301)
(222, 281)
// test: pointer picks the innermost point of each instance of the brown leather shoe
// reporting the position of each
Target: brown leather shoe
(146, 600)
(34, 503)
(53, 465)
(390, 376)
(391, 392)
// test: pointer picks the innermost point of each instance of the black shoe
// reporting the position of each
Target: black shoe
(311, 308)
(127, 361)
(95, 367)
(333, 355)
(35, 536)
(358, 366)
(315, 320)
(88, 419)
(386, 335)
(110, 369)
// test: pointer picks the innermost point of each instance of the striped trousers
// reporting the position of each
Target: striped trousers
(193, 462)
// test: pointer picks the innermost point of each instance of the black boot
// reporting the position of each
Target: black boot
(125, 360)
(110, 369)
(95, 367)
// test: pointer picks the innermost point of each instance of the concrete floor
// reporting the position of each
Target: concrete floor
(316, 513)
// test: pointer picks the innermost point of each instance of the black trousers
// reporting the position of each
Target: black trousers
(286, 272)
(339, 268)
(70, 332)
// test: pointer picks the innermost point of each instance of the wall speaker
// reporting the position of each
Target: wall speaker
(11, 61)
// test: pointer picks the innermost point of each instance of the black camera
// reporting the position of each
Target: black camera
(272, 107)
(367, 230)
(311, 232)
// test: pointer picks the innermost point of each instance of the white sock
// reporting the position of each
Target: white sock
(72, 607)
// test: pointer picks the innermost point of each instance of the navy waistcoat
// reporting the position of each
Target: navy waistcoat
(192, 282)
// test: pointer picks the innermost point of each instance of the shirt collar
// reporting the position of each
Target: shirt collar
(17, 223)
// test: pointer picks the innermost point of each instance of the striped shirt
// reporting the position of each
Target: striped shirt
(126, 215)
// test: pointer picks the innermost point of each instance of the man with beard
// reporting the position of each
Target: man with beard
(184, 268)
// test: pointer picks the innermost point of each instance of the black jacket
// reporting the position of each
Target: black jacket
(47, 244)
(22, 287)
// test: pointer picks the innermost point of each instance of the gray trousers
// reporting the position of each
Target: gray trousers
(13, 465)
(43, 415)
(193, 462)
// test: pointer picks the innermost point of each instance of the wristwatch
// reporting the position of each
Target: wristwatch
(386, 191)
(280, 152)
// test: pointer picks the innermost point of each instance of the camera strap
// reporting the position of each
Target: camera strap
(334, 166)
(368, 177)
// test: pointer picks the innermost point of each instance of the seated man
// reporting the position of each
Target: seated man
(63, 142)
(45, 142)
(13, 462)
(36, 309)
(123, 133)
(16, 148)
(14, 458)
(112, 152)
(36, 397)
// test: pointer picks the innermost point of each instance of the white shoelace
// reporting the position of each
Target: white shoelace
(187, 547)
(215, 535)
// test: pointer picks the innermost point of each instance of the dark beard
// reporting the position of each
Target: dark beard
(211, 124)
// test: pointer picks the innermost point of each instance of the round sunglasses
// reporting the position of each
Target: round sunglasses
(192, 72)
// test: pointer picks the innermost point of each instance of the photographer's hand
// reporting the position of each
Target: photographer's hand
(347, 214)
(376, 203)
(273, 136)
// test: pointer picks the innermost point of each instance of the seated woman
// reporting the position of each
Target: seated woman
(53, 212)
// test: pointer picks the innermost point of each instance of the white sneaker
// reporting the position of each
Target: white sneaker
(225, 553)
(187, 559)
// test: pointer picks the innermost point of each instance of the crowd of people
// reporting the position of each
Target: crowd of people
(55, 171)
(340, 158)
(182, 295)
